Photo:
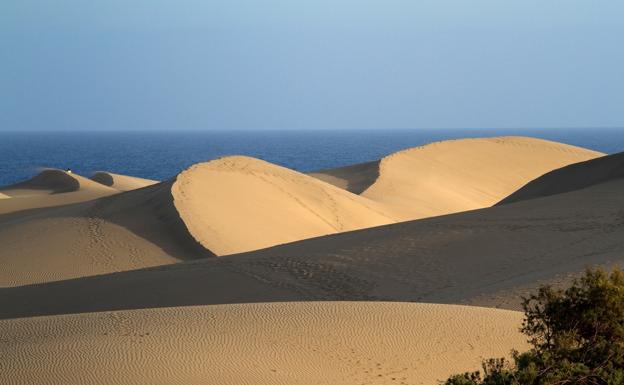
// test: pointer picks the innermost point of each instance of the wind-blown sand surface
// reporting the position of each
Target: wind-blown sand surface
(237, 203)
(573, 177)
(51, 188)
(126, 231)
(487, 257)
(455, 175)
(121, 182)
(256, 344)
(142, 253)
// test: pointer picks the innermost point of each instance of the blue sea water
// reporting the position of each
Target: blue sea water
(161, 155)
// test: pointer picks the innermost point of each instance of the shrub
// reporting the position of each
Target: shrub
(577, 337)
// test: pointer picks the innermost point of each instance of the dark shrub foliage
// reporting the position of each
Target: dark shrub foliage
(577, 337)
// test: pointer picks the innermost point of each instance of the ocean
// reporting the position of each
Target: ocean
(161, 155)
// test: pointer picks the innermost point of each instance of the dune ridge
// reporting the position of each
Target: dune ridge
(121, 182)
(573, 177)
(485, 257)
(51, 187)
(465, 174)
(238, 203)
(222, 207)
(259, 344)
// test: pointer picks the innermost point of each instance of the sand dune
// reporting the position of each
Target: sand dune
(51, 188)
(121, 182)
(485, 257)
(455, 175)
(573, 177)
(259, 344)
(126, 231)
(2, 196)
(236, 204)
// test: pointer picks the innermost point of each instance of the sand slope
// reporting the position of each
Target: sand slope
(126, 231)
(232, 205)
(459, 175)
(51, 188)
(573, 177)
(237, 203)
(121, 182)
(258, 344)
(487, 257)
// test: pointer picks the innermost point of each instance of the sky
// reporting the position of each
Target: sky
(310, 64)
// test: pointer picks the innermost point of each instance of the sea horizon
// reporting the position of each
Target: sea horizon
(161, 155)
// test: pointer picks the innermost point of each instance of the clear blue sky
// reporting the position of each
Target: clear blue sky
(310, 64)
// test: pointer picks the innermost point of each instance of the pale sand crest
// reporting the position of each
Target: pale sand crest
(121, 182)
(466, 174)
(257, 344)
(237, 204)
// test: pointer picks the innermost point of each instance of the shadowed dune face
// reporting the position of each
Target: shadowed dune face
(573, 177)
(132, 230)
(46, 182)
(259, 344)
(222, 207)
(355, 179)
(484, 257)
(121, 182)
(238, 203)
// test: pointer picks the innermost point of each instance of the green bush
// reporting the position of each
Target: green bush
(577, 337)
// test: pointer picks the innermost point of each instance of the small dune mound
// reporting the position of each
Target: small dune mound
(52, 181)
(573, 177)
(459, 175)
(2, 196)
(49, 181)
(121, 182)
(293, 343)
(237, 204)
(51, 187)
(355, 178)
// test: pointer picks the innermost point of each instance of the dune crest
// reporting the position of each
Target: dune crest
(51, 187)
(238, 203)
(465, 174)
(261, 344)
(121, 182)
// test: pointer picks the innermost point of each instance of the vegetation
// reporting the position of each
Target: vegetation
(577, 337)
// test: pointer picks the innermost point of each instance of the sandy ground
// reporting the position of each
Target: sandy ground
(231, 205)
(121, 182)
(121, 232)
(487, 256)
(256, 344)
(104, 286)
